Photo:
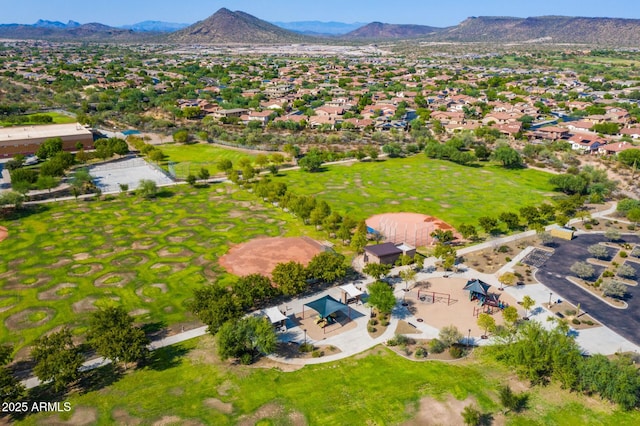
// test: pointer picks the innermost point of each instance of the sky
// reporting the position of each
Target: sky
(438, 13)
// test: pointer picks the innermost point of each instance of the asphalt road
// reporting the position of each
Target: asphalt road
(552, 273)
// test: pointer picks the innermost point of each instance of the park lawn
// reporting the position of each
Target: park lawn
(454, 193)
(191, 158)
(56, 116)
(62, 260)
(378, 387)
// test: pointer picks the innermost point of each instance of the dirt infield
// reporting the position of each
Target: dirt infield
(261, 255)
(4, 233)
(411, 228)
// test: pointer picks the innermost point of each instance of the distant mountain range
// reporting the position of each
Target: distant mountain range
(318, 28)
(225, 26)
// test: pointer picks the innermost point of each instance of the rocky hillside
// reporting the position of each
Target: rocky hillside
(553, 29)
(378, 30)
(226, 26)
(85, 32)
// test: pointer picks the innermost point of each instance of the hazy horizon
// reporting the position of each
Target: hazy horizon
(127, 12)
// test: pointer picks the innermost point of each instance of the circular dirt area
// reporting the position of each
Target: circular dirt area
(261, 255)
(3, 233)
(411, 228)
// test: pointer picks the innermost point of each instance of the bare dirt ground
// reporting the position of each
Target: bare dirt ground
(4, 233)
(410, 228)
(261, 255)
(460, 311)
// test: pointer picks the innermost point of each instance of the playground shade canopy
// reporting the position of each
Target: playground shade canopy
(351, 290)
(325, 306)
(275, 316)
(478, 287)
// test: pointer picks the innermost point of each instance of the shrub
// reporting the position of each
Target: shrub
(384, 322)
(607, 274)
(588, 226)
(421, 352)
(317, 354)
(508, 259)
(575, 321)
(588, 322)
(306, 347)
(437, 346)
(371, 329)
(456, 351)
(246, 359)
(623, 254)
(504, 249)
(569, 312)
(373, 321)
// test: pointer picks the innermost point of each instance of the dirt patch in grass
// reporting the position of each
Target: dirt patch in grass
(168, 253)
(216, 404)
(29, 318)
(80, 256)
(20, 284)
(114, 279)
(85, 305)
(4, 233)
(170, 267)
(162, 287)
(272, 411)
(434, 412)
(122, 417)
(81, 416)
(137, 312)
(53, 293)
(85, 269)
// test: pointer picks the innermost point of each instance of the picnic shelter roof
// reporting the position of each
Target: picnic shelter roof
(326, 305)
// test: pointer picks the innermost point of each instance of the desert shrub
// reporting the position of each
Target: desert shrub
(508, 259)
(456, 351)
(306, 347)
(420, 352)
(588, 322)
(373, 321)
(607, 274)
(504, 249)
(623, 254)
(317, 354)
(569, 312)
(384, 322)
(371, 329)
(246, 359)
(437, 346)
(575, 321)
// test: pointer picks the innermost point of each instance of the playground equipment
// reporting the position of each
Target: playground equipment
(429, 296)
(479, 290)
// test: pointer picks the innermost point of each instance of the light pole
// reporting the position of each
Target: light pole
(469, 339)
(550, 295)
(305, 336)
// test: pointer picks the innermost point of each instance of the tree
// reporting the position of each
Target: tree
(510, 219)
(291, 277)
(443, 236)
(113, 336)
(630, 157)
(224, 165)
(376, 270)
(214, 305)
(612, 234)
(57, 359)
(248, 172)
(204, 174)
(123, 187)
(312, 162)
(583, 270)
(46, 182)
(147, 189)
(327, 267)
(508, 278)
(11, 198)
(508, 156)
(615, 289)
(191, 179)
(471, 416)
(253, 289)
(49, 148)
(486, 322)
(11, 389)
(510, 315)
(544, 237)
(598, 251)
(527, 303)
(634, 215)
(450, 335)
(626, 271)
(359, 240)
(468, 231)
(408, 276)
(246, 338)
(487, 223)
(261, 160)
(181, 136)
(381, 296)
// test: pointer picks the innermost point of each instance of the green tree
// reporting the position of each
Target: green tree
(57, 359)
(113, 336)
(327, 267)
(626, 271)
(486, 322)
(291, 277)
(583, 270)
(510, 315)
(450, 335)
(630, 157)
(487, 223)
(612, 234)
(253, 290)
(471, 416)
(11, 389)
(359, 240)
(46, 182)
(224, 165)
(181, 136)
(246, 339)
(204, 174)
(49, 148)
(508, 156)
(527, 303)
(381, 297)
(312, 162)
(191, 179)
(508, 278)
(214, 305)
(615, 289)
(376, 270)
(408, 276)
(468, 231)
(510, 219)
(147, 189)
(598, 251)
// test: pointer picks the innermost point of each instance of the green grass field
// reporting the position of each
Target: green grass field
(62, 260)
(191, 158)
(57, 119)
(451, 192)
(186, 383)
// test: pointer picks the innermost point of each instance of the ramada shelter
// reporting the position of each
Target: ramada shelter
(26, 140)
(387, 253)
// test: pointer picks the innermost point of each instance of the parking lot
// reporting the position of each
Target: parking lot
(554, 271)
